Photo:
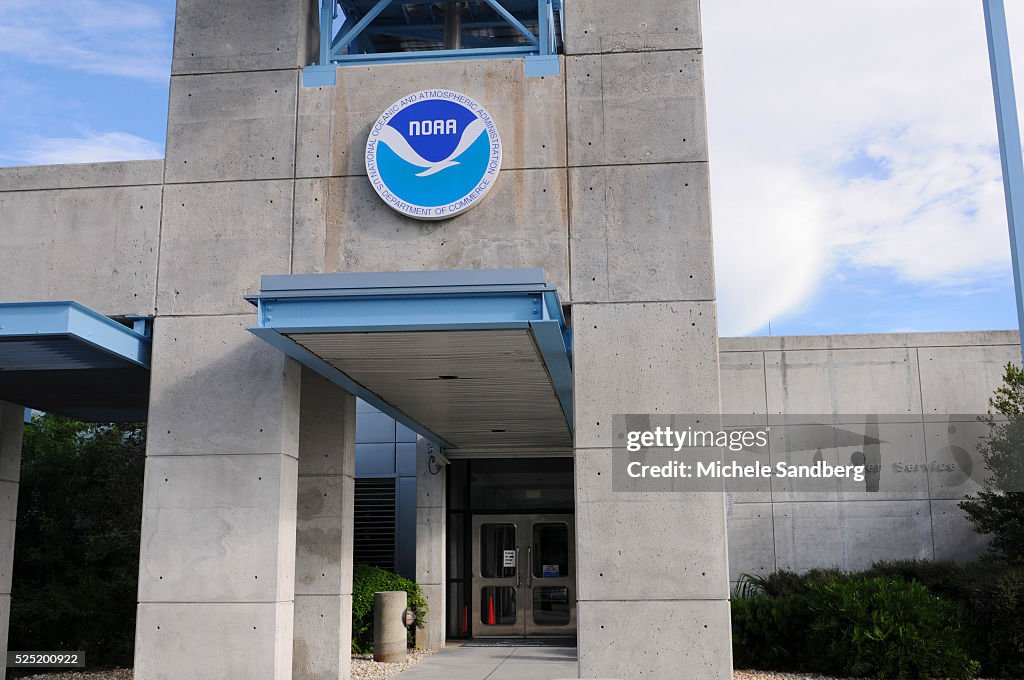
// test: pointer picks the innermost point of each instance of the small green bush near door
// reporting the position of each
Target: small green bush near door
(367, 580)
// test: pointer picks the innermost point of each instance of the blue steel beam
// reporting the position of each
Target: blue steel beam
(71, 319)
(326, 27)
(383, 313)
(435, 55)
(518, 25)
(361, 24)
(1009, 140)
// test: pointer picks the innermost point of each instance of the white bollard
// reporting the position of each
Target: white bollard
(389, 633)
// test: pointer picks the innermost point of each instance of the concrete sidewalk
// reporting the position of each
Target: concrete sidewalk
(495, 663)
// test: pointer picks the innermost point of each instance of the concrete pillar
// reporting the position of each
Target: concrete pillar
(217, 565)
(389, 634)
(11, 426)
(652, 570)
(323, 533)
(430, 545)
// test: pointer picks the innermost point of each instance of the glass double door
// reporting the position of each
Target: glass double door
(524, 575)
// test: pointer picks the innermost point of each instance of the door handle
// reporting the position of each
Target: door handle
(529, 566)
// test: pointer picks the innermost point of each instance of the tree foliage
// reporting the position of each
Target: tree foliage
(998, 509)
(76, 555)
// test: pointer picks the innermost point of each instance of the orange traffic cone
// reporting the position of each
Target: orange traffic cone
(491, 620)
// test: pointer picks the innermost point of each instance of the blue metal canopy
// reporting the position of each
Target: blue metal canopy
(475, 360)
(65, 358)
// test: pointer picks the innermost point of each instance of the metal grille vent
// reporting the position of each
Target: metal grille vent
(374, 541)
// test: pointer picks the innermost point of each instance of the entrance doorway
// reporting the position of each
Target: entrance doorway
(523, 575)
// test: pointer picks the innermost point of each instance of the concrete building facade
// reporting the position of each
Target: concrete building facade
(254, 440)
(246, 548)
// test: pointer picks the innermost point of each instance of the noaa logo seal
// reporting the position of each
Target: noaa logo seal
(433, 154)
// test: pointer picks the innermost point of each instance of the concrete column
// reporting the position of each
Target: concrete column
(217, 566)
(323, 535)
(652, 575)
(11, 426)
(430, 545)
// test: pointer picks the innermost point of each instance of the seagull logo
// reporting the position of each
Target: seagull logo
(394, 139)
(433, 154)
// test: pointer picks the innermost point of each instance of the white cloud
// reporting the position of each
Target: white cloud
(111, 37)
(847, 134)
(90, 148)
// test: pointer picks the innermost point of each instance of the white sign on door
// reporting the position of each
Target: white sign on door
(510, 559)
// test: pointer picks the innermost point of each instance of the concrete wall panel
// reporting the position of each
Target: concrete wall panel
(358, 232)
(236, 35)
(955, 443)
(198, 404)
(5, 616)
(869, 340)
(602, 26)
(212, 527)
(323, 561)
(903, 443)
(655, 639)
(751, 540)
(850, 535)
(742, 383)
(323, 634)
(82, 175)
(335, 122)
(960, 380)
(642, 358)
(7, 530)
(96, 246)
(201, 641)
(231, 126)
(847, 382)
(627, 246)
(8, 500)
(11, 428)
(218, 239)
(646, 546)
(12, 419)
(608, 125)
(954, 535)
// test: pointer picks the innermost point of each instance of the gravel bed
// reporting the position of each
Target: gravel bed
(115, 674)
(365, 668)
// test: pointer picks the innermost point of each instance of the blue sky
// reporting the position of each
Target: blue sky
(855, 168)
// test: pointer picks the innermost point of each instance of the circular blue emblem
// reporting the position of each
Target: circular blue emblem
(433, 154)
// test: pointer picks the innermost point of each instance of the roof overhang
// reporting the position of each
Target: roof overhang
(64, 358)
(478, 361)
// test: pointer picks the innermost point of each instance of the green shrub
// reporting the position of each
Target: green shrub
(887, 628)
(941, 577)
(768, 632)
(782, 583)
(367, 580)
(996, 603)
